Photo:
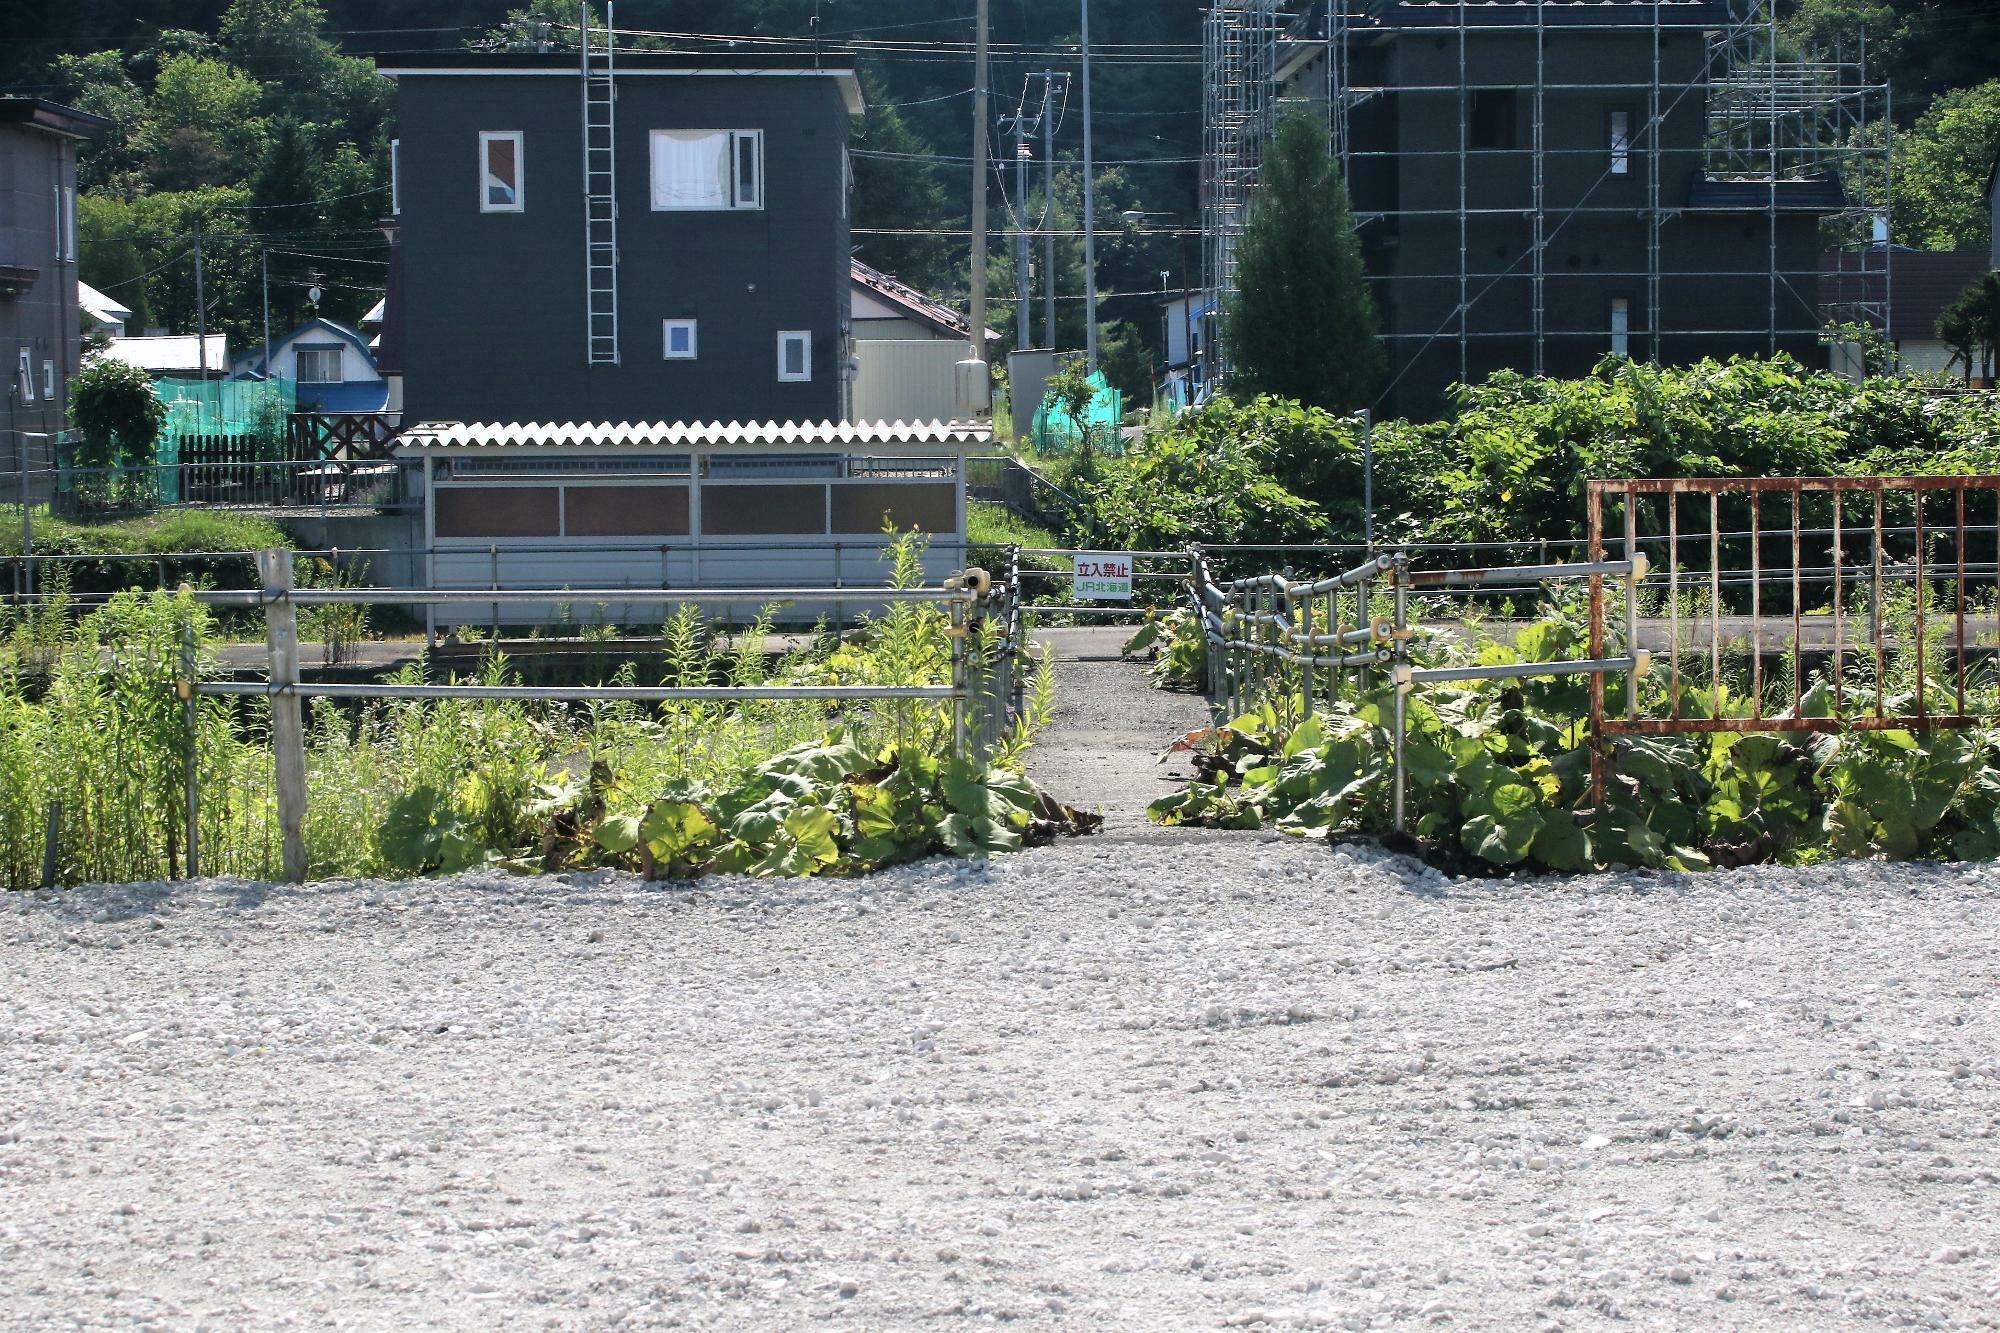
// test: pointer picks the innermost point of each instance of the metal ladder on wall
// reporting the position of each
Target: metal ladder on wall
(600, 186)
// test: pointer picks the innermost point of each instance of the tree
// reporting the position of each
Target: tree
(1301, 324)
(218, 102)
(114, 408)
(900, 191)
(1941, 170)
(99, 85)
(1970, 326)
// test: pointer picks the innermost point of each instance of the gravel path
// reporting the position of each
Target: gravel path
(1109, 1084)
(1102, 748)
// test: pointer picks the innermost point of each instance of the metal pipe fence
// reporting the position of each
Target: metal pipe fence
(981, 693)
(1298, 644)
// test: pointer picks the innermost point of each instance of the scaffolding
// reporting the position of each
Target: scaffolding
(1240, 89)
(1488, 137)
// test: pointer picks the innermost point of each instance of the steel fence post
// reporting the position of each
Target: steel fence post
(190, 719)
(957, 633)
(1400, 676)
(288, 742)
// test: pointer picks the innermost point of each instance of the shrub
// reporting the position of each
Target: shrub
(114, 408)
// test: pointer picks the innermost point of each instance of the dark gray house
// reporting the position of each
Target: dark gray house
(1538, 184)
(40, 321)
(694, 269)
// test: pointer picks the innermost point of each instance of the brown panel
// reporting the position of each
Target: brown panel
(924, 506)
(742, 511)
(625, 511)
(497, 511)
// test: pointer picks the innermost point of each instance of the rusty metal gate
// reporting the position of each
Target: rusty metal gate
(1879, 598)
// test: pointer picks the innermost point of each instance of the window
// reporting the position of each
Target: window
(1491, 117)
(1621, 143)
(679, 336)
(395, 178)
(66, 223)
(1621, 326)
(707, 169)
(500, 183)
(49, 380)
(319, 365)
(795, 355)
(27, 376)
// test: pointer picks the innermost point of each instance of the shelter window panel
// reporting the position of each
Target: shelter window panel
(500, 171)
(707, 170)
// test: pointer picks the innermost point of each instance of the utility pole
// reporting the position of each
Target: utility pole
(1024, 281)
(973, 377)
(1089, 212)
(1049, 208)
(267, 312)
(200, 309)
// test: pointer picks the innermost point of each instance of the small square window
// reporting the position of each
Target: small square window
(795, 356)
(500, 172)
(1493, 116)
(679, 335)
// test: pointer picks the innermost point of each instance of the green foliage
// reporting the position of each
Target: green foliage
(89, 717)
(114, 408)
(1177, 645)
(1199, 480)
(1970, 326)
(1942, 163)
(990, 524)
(1302, 323)
(1499, 776)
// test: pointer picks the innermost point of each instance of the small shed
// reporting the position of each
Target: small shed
(684, 505)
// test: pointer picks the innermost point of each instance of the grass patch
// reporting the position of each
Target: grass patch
(171, 532)
(990, 524)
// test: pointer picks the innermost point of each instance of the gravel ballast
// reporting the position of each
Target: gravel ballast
(1122, 1084)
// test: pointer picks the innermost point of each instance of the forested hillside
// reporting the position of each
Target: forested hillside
(259, 129)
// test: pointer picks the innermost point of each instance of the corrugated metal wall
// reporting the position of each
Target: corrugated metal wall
(907, 380)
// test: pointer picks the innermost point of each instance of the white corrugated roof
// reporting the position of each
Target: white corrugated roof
(896, 436)
(99, 305)
(171, 354)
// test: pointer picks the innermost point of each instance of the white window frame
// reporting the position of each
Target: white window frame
(27, 375)
(298, 363)
(805, 338)
(49, 380)
(1619, 132)
(1621, 326)
(396, 176)
(520, 204)
(739, 141)
(667, 327)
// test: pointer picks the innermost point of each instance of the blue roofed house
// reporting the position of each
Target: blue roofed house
(331, 364)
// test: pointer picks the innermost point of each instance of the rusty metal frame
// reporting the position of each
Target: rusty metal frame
(1918, 572)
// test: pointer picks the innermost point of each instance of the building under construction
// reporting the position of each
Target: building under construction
(1538, 183)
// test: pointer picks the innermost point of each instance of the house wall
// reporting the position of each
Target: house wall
(45, 321)
(354, 366)
(494, 307)
(1407, 149)
(907, 379)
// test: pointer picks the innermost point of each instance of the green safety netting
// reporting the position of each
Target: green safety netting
(246, 419)
(1056, 432)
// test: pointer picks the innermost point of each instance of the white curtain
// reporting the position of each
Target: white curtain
(690, 169)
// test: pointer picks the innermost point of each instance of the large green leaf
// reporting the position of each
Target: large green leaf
(1503, 843)
(1561, 844)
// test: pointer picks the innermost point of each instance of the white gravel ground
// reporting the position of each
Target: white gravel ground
(1132, 1085)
